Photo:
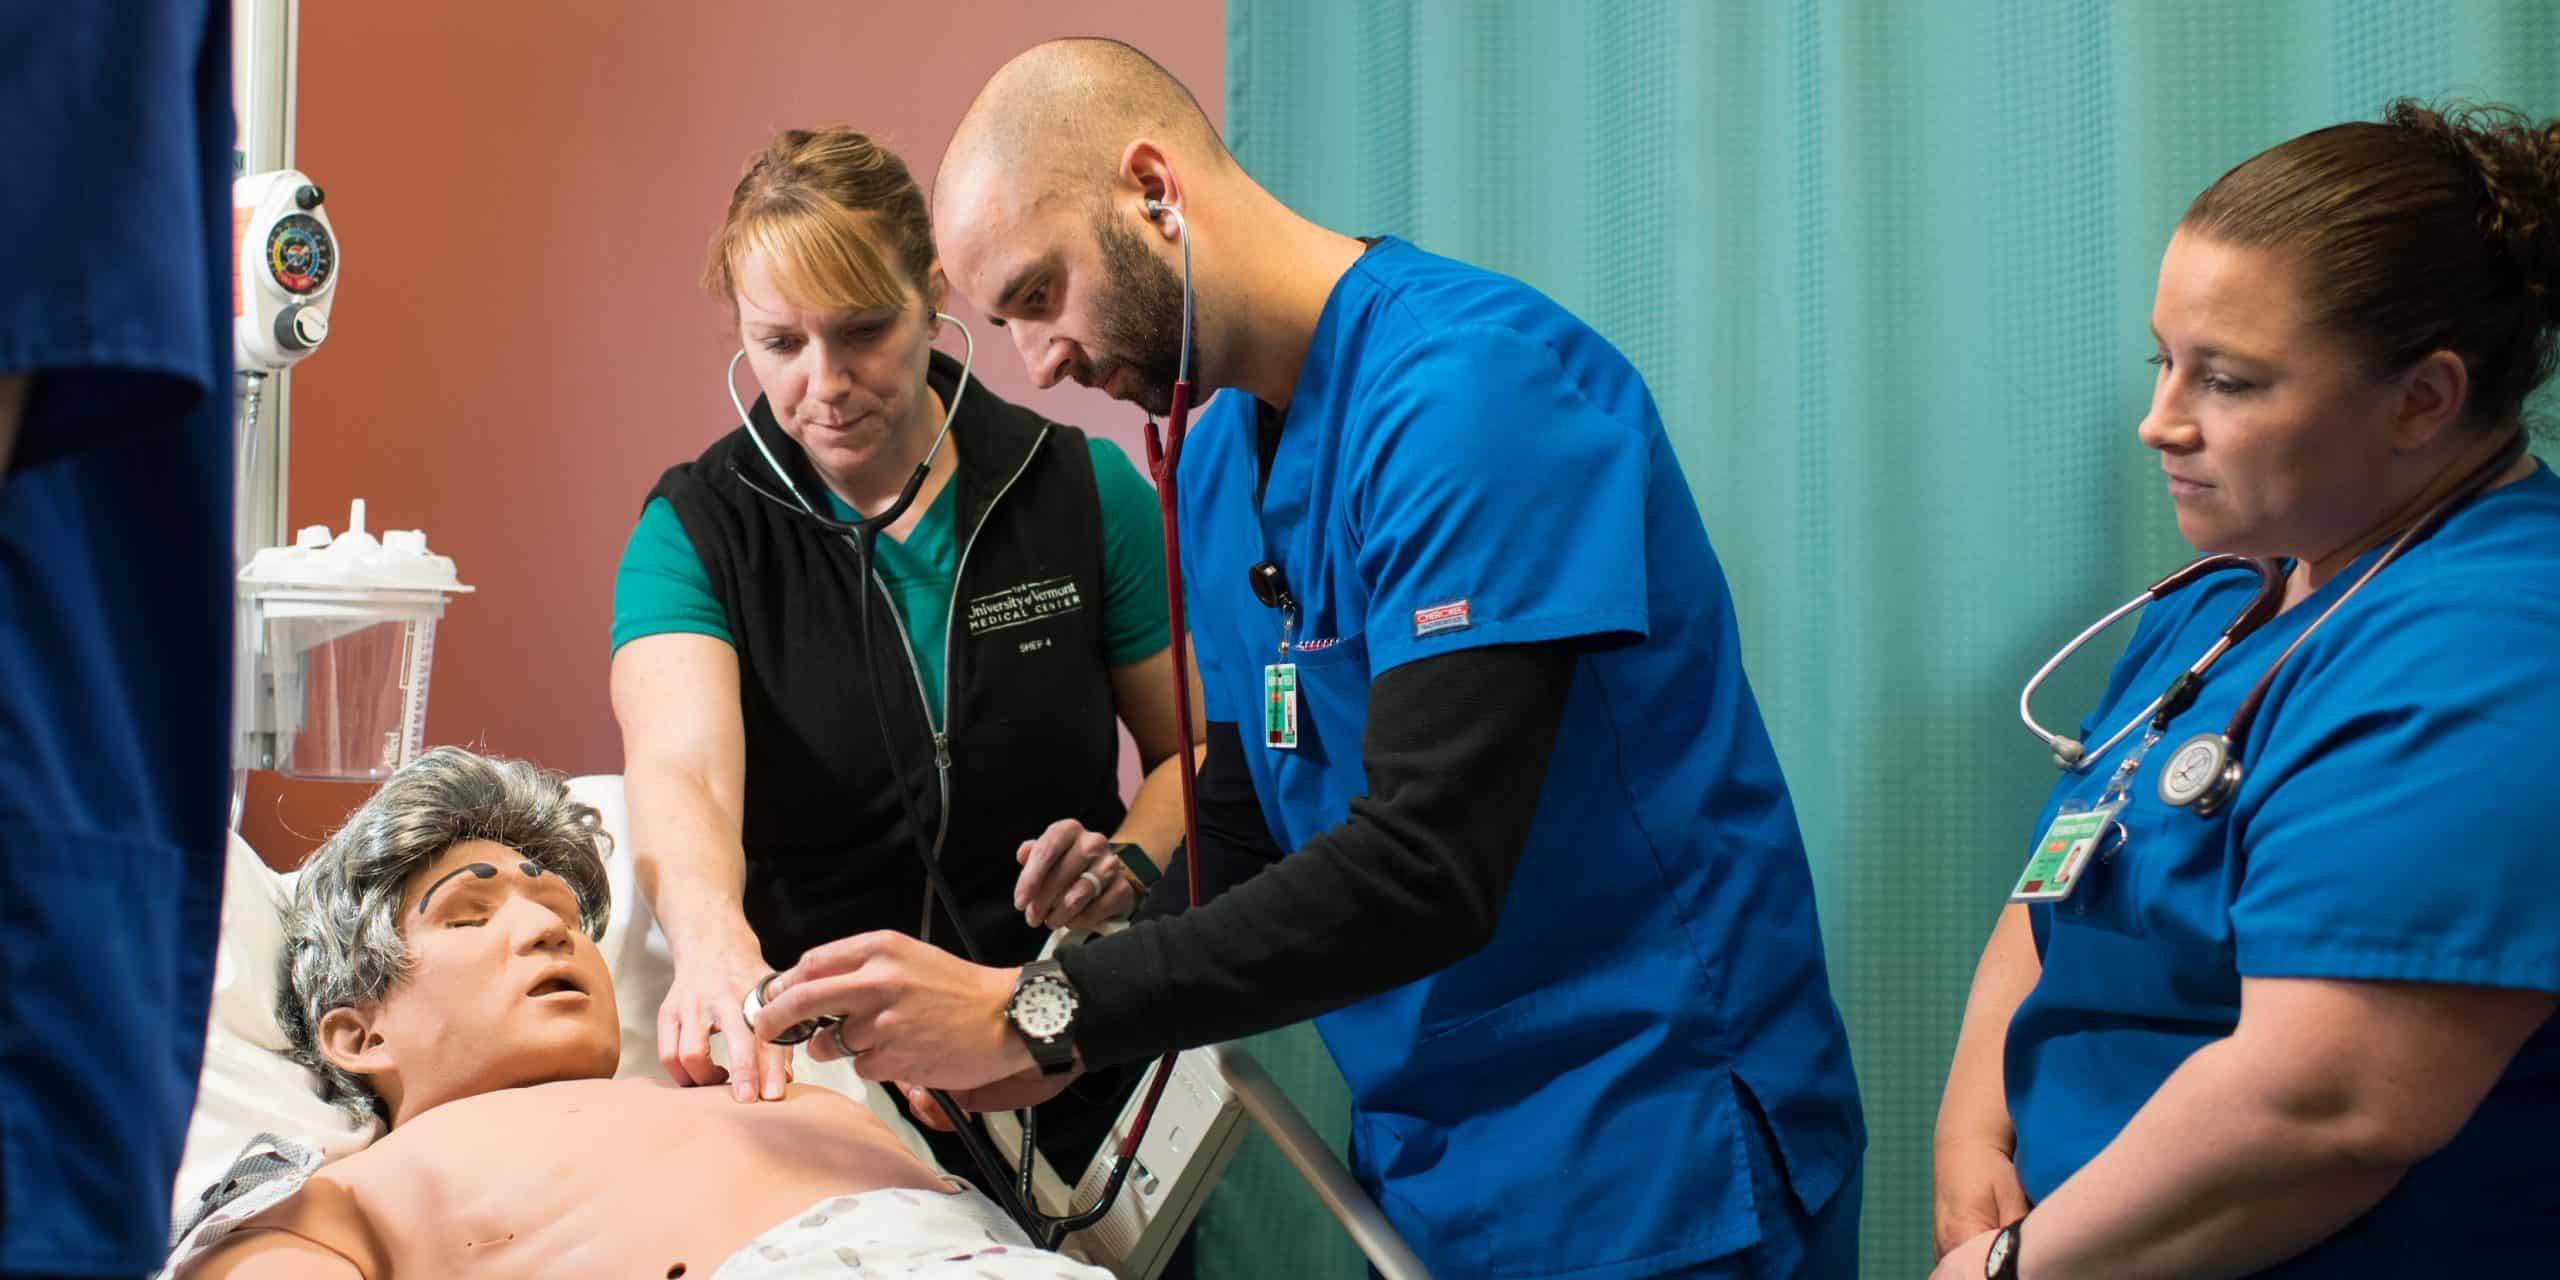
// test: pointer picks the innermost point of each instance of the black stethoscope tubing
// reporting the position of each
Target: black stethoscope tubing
(1163, 455)
(1014, 1195)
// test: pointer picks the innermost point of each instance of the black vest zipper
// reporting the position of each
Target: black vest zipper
(940, 726)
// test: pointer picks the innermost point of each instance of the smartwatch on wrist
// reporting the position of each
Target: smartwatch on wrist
(1141, 868)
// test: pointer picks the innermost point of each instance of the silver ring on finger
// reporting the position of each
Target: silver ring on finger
(1093, 882)
(835, 1032)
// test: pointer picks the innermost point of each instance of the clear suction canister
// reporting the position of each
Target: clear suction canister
(343, 630)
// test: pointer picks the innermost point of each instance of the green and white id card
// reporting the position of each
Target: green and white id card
(2062, 853)
(1280, 706)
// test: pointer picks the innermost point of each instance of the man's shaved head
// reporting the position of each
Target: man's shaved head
(1087, 208)
(1054, 120)
(1041, 209)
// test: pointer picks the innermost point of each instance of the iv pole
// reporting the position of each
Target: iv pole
(265, 35)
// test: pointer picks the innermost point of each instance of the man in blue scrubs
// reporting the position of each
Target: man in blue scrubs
(1470, 664)
(115, 619)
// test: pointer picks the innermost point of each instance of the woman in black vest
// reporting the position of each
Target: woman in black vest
(784, 785)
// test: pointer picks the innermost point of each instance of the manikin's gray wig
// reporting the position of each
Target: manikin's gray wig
(342, 945)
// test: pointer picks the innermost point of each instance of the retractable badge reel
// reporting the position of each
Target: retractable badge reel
(1279, 679)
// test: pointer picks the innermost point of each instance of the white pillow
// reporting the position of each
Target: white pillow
(249, 1087)
(633, 948)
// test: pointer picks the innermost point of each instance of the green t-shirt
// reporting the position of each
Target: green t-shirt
(661, 587)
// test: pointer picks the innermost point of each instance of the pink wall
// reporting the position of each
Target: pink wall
(525, 192)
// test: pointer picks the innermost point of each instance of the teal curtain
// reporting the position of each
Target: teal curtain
(1887, 265)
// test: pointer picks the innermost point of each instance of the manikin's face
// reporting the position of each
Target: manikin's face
(1086, 296)
(503, 987)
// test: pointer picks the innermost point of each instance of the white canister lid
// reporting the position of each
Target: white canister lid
(354, 562)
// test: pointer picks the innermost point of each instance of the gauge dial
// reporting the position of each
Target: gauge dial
(300, 254)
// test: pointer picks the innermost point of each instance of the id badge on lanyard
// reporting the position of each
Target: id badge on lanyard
(2062, 853)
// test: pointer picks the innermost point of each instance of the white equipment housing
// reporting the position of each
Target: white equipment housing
(1197, 1127)
(286, 272)
(1196, 1130)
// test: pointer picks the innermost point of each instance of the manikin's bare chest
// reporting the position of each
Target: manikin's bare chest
(609, 1178)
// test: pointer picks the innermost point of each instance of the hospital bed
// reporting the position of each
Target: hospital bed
(249, 1087)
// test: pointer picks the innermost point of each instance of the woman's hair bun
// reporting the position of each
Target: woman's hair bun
(2516, 162)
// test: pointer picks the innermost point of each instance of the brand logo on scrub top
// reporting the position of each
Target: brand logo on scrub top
(1434, 619)
(1023, 603)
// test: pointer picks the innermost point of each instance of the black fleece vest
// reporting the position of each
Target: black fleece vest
(1031, 727)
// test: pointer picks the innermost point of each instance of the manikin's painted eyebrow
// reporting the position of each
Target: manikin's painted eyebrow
(476, 870)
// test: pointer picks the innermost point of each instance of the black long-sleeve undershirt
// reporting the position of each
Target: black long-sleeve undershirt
(1409, 883)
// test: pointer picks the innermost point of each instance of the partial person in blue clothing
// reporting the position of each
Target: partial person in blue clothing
(115, 612)
(787, 771)
(1486, 791)
(2292, 1017)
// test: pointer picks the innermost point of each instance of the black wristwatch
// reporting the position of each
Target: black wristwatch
(2002, 1262)
(1043, 1013)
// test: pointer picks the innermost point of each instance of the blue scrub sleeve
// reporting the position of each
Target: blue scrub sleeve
(661, 587)
(103, 241)
(1455, 751)
(1134, 618)
(1496, 504)
(2406, 828)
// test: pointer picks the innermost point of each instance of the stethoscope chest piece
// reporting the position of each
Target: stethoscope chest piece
(2202, 775)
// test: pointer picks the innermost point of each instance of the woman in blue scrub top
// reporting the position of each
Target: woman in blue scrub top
(2311, 1033)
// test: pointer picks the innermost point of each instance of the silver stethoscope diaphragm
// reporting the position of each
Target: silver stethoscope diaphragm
(800, 1033)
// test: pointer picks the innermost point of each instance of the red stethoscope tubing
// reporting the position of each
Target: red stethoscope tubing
(1164, 456)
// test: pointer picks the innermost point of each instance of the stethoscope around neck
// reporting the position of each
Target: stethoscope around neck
(1164, 451)
(2073, 756)
(868, 528)
(2206, 770)
(863, 536)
